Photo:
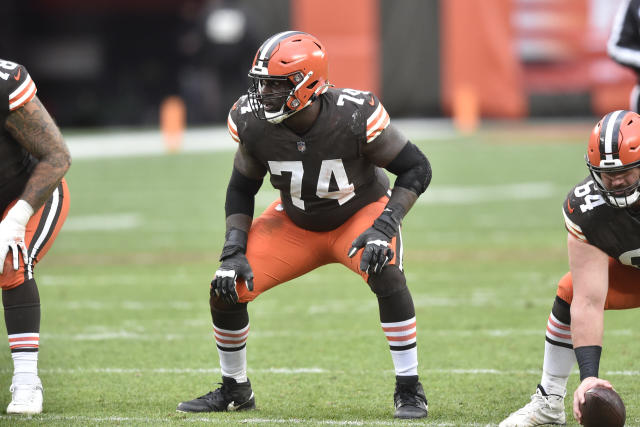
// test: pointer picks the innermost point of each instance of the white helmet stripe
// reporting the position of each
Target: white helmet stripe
(609, 134)
(267, 47)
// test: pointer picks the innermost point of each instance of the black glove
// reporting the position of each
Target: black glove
(375, 241)
(234, 266)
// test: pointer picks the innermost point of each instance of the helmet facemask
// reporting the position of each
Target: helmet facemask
(619, 197)
(614, 147)
(279, 105)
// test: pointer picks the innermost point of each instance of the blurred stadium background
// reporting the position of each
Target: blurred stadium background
(500, 94)
(112, 62)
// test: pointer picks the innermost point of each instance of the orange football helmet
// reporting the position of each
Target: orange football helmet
(614, 146)
(296, 64)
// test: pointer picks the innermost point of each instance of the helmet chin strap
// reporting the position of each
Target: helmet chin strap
(279, 116)
(625, 202)
(620, 202)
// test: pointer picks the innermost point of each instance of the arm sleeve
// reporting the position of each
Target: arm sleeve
(412, 168)
(241, 193)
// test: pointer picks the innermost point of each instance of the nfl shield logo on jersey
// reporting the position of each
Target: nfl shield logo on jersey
(301, 146)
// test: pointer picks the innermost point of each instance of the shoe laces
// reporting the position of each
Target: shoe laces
(225, 391)
(408, 394)
(24, 392)
(538, 400)
(221, 393)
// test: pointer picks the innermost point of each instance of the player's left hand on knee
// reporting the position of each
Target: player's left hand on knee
(376, 254)
(375, 241)
(232, 268)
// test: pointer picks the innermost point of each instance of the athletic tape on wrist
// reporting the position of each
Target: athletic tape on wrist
(588, 360)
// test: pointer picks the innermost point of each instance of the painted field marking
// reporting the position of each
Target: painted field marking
(186, 419)
(463, 195)
(103, 222)
(140, 334)
(299, 371)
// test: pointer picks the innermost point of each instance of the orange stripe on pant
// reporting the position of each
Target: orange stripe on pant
(624, 287)
(41, 231)
(279, 251)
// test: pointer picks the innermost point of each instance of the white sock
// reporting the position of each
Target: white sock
(402, 343)
(232, 352)
(233, 364)
(558, 360)
(405, 362)
(25, 367)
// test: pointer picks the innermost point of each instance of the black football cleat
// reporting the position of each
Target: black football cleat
(231, 396)
(409, 398)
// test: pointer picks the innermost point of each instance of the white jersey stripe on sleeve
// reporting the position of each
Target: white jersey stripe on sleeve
(377, 122)
(233, 129)
(22, 94)
(573, 228)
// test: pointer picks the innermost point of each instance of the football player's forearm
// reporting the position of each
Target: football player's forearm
(43, 181)
(35, 130)
(586, 333)
(401, 201)
(239, 221)
(586, 323)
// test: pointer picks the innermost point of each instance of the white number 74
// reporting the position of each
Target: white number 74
(328, 168)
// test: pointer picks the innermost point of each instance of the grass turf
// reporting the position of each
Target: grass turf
(126, 332)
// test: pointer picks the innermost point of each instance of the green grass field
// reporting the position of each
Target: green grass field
(126, 331)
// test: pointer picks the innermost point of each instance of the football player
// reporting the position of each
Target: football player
(602, 216)
(324, 149)
(34, 201)
(624, 44)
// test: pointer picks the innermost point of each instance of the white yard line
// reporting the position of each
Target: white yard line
(186, 419)
(301, 371)
(139, 334)
(103, 222)
(463, 195)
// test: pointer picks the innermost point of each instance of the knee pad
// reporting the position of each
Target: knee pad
(388, 282)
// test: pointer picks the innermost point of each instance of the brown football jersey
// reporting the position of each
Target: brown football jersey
(322, 176)
(589, 218)
(16, 164)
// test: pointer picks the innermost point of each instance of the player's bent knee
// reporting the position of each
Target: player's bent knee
(387, 282)
(218, 304)
(24, 293)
